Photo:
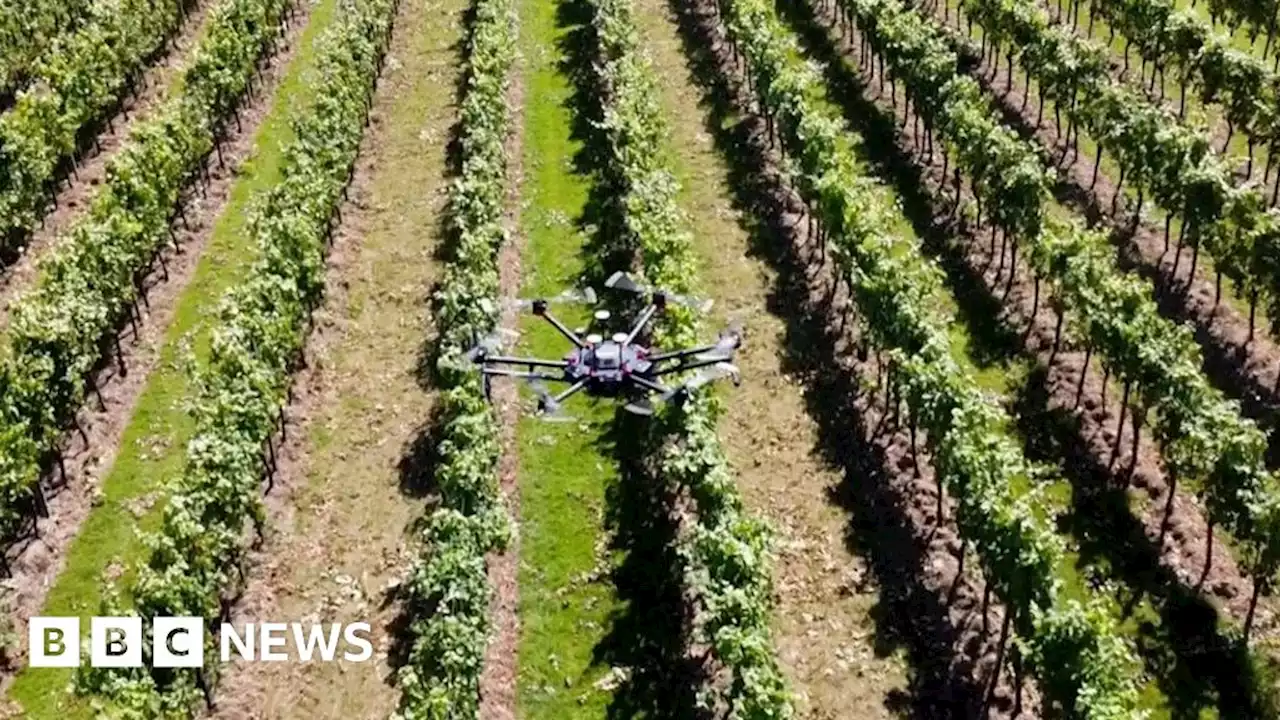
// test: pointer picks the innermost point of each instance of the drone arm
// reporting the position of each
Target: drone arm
(649, 384)
(644, 319)
(563, 330)
(678, 354)
(522, 374)
(688, 366)
(529, 362)
(574, 388)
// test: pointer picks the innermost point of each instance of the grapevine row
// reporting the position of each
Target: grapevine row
(198, 554)
(90, 284)
(1075, 648)
(79, 79)
(726, 553)
(1242, 83)
(1259, 15)
(27, 30)
(1201, 433)
(1168, 161)
(448, 589)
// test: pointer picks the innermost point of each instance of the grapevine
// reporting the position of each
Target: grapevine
(1166, 36)
(79, 79)
(27, 29)
(1167, 160)
(448, 589)
(90, 284)
(1259, 15)
(1202, 434)
(198, 553)
(726, 553)
(1074, 647)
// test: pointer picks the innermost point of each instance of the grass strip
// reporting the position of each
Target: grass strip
(196, 564)
(152, 444)
(566, 599)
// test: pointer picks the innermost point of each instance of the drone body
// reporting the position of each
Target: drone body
(618, 367)
(606, 364)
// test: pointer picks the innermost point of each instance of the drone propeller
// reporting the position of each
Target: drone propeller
(622, 281)
(724, 348)
(644, 406)
(492, 343)
(585, 296)
(641, 406)
(548, 409)
(702, 377)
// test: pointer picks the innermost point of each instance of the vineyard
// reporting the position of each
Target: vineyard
(997, 283)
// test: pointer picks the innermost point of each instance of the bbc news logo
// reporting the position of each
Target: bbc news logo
(178, 642)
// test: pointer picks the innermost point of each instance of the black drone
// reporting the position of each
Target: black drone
(621, 366)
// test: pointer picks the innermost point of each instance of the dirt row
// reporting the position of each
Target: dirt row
(934, 604)
(36, 562)
(1247, 369)
(1068, 404)
(75, 192)
(354, 462)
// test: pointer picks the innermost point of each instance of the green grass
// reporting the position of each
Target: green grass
(153, 447)
(564, 606)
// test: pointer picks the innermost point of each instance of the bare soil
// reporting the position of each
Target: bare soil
(348, 486)
(37, 561)
(76, 192)
(502, 661)
(824, 628)
(931, 605)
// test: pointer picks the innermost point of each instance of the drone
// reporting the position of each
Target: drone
(621, 366)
